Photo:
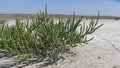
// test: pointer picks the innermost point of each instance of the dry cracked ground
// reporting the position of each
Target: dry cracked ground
(102, 52)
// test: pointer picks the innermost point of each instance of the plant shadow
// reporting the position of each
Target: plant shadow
(23, 62)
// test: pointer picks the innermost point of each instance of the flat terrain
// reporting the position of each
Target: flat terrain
(23, 16)
(101, 52)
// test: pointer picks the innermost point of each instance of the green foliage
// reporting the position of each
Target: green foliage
(43, 38)
(2, 21)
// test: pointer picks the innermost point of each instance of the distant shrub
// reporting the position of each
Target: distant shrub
(43, 38)
(117, 18)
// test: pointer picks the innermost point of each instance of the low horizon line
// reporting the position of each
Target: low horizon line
(28, 15)
(57, 14)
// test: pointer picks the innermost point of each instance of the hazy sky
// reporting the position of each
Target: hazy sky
(82, 7)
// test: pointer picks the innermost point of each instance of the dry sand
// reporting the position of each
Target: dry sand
(101, 52)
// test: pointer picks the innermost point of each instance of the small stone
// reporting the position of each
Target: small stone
(117, 66)
(99, 57)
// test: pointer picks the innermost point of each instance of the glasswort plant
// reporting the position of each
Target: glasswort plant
(43, 38)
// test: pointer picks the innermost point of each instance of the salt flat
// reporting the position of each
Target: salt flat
(101, 52)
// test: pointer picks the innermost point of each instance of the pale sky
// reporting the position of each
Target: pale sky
(81, 7)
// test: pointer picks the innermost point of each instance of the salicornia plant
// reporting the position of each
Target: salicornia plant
(2, 21)
(43, 38)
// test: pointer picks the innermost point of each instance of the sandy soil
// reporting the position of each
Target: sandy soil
(101, 52)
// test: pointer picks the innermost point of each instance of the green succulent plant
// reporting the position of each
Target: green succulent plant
(43, 38)
(2, 21)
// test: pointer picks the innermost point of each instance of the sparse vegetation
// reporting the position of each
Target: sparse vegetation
(43, 38)
(117, 18)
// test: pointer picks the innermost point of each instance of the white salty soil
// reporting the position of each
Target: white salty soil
(101, 52)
